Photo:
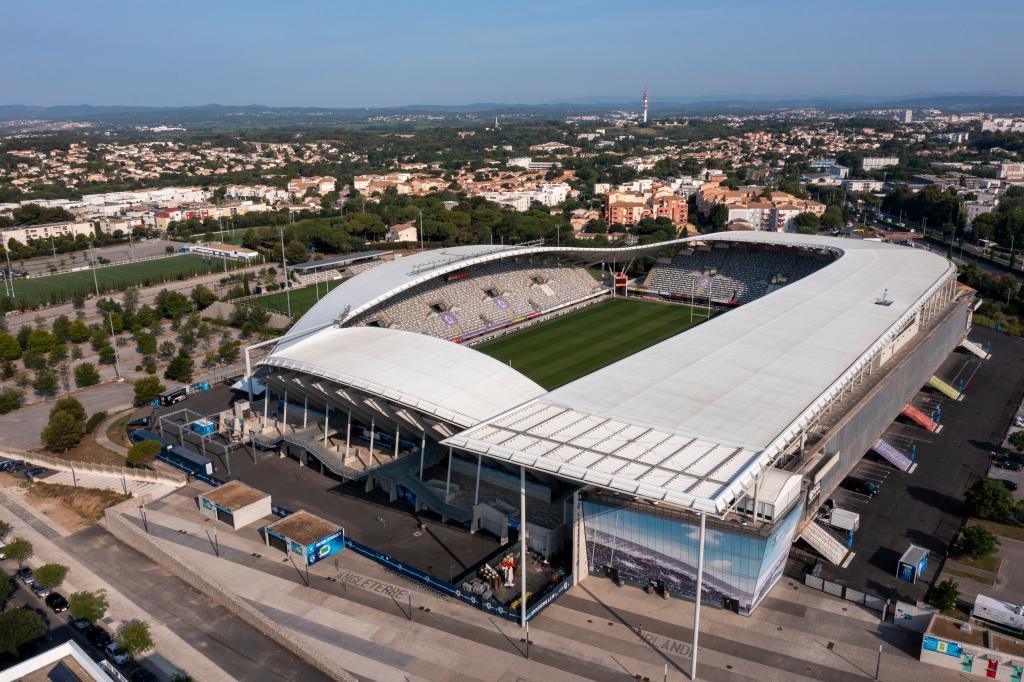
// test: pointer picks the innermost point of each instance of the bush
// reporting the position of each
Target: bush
(133, 637)
(989, 499)
(86, 374)
(180, 368)
(62, 432)
(51, 575)
(94, 421)
(18, 627)
(943, 596)
(143, 452)
(45, 383)
(1017, 440)
(976, 541)
(10, 399)
(88, 606)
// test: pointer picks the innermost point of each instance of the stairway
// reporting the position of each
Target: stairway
(920, 418)
(893, 455)
(975, 348)
(944, 388)
(433, 500)
(825, 543)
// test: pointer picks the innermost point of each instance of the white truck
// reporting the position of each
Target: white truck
(841, 518)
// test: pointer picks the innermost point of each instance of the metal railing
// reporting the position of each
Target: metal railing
(81, 468)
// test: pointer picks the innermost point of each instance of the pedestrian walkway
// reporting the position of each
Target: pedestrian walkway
(118, 484)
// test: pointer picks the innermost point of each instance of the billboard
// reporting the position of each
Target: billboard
(325, 547)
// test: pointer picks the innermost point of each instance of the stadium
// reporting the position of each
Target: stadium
(677, 434)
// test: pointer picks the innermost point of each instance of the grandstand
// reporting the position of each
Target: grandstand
(738, 427)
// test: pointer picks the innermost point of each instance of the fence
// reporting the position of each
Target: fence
(76, 468)
(843, 592)
(98, 266)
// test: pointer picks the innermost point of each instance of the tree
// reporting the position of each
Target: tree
(18, 627)
(147, 389)
(130, 299)
(295, 252)
(166, 350)
(107, 355)
(40, 341)
(78, 332)
(180, 368)
(943, 596)
(133, 637)
(976, 541)
(5, 530)
(1017, 440)
(50, 576)
(989, 499)
(202, 297)
(69, 405)
(172, 305)
(95, 420)
(99, 338)
(9, 348)
(832, 218)
(45, 383)
(229, 350)
(6, 588)
(806, 223)
(86, 374)
(88, 606)
(62, 329)
(10, 399)
(143, 452)
(18, 549)
(145, 343)
(63, 432)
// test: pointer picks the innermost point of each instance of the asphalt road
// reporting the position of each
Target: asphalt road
(926, 507)
(240, 650)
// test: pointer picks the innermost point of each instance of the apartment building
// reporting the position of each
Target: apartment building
(527, 163)
(628, 207)
(164, 217)
(870, 163)
(750, 208)
(320, 184)
(26, 233)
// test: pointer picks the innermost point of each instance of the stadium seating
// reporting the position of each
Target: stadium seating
(482, 298)
(737, 274)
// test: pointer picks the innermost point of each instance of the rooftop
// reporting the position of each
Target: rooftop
(303, 527)
(338, 260)
(234, 495)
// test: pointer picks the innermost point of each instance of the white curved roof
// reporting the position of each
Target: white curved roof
(694, 419)
(452, 382)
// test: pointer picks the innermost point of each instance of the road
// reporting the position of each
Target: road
(21, 429)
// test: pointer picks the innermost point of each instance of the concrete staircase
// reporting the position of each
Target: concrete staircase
(975, 348)
(944, 388)
(893, 455)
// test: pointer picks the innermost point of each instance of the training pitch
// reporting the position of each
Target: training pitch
(303, 298)
(561, 350)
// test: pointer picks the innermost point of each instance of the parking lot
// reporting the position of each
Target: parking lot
(926, 507)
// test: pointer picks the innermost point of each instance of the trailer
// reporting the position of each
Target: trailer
(842, 519)
(1001, 613)
(189, 460)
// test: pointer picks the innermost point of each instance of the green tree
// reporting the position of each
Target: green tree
(69, 405)
(202, 297)
(99, 338)
(989, 499)
(172, 305)
(147, 389)
(45, 383)
(180, 368)
(63, 432)
(295, 252)
(62, 329)
(88, 606)
(51, 576)
(18, 549)
(107, 355)
(832, 218)
(86, 374)
(10, 399)
(6, 588)
(40, 341)
(976, 541)
(1017, 440)
(143, 452)
(145, 343)
(806, 223)
(9, 348)
(5, 530)
(166, 350)
(18, 627)
(78, 332)
(943, 596)
(133, 637)
(229, 350)
(94, 420)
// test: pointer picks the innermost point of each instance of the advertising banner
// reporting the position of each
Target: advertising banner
(328, 546)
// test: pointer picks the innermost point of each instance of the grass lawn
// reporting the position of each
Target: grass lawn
(988, 562)
(302, 298)
(59, 288)
(1005, 529)
(117, 432)
(557, 352)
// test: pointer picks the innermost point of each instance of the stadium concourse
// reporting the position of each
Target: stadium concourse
(689, 467)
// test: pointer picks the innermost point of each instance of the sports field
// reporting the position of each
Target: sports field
(303, 298)
(58, 288)
(557, 352)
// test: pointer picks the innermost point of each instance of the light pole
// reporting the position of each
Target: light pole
(284, 266)
(92, 262)
(10, 274)
(113, 344)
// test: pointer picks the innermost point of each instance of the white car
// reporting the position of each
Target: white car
(115, 654)
(1018, 421)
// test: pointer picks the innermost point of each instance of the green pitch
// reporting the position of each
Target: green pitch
(59, 288)
(557, 352)
(302, 298)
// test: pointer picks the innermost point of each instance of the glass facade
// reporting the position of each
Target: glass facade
(643, 544)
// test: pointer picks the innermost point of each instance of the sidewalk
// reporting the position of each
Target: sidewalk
(172, 653)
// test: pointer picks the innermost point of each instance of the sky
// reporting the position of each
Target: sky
(341, 53)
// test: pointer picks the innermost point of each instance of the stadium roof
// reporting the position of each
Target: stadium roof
(335, 260)
(695, 419)
(452, 382)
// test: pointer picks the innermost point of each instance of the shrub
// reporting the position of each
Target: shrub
(989, 499)
(147, 389)
(10, 399)
(143, 452)
(94, 421)
(86, 374)
(943, 596)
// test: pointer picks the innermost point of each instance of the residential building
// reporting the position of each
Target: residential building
(984, 203)
(863, 185)
(26, 233)
(403, 232)
(751, 208)
(320, 184)
(870, 163)
(219, 250)
(1002, 125)
(1010, 171)
(905, 116)
(830, 167)
(629, 207)
(527, 163)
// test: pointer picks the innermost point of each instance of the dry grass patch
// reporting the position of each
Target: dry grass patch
(90, 452)
(87, 503)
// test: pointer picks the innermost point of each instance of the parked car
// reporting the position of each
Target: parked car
(18, 466)
(1010, 485)
(859, 485)
(1018, 421)
(81, 625)
(40, 591)
(9, 464)
(1009, 464)
(26, 575)
(99, 637)
(116, 654)
(57, 602)
(143, 675)
(34, 471)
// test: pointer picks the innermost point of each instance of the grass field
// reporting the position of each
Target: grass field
(302, 298)
(557, 352)
(59, 288)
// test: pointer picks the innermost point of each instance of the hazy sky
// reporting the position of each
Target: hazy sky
(387, 52)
